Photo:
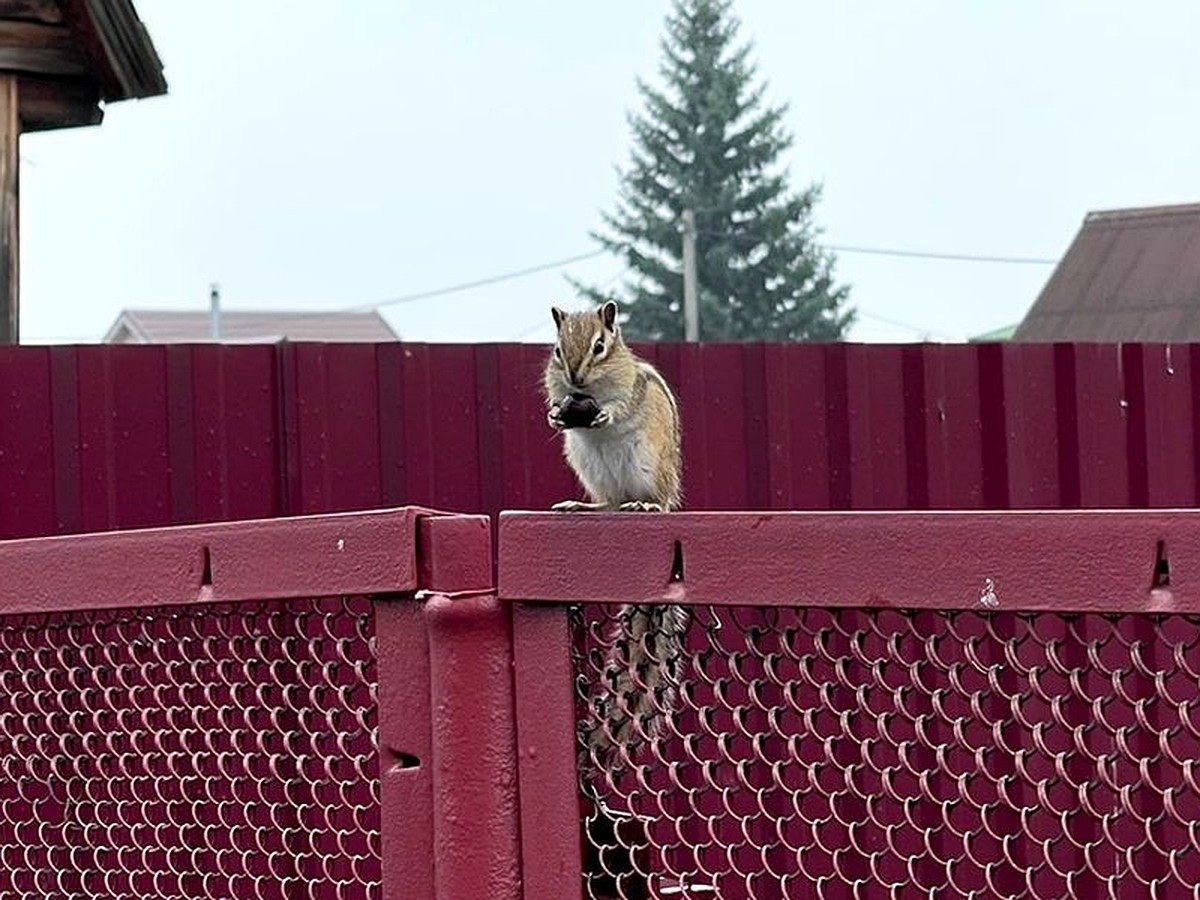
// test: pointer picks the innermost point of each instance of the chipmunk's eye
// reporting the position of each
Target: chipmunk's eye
(598, 347)
(557, 352)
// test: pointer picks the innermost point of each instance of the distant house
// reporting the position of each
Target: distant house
(160, 326)
(1129, 275)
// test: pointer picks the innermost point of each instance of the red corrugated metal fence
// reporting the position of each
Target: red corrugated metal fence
(100, 438)
(992, 703)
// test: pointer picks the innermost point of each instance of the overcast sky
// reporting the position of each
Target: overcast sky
(305, 159)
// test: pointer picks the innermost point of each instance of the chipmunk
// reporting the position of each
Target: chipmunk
(621, 427)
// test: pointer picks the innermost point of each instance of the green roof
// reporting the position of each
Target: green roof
(998, 334)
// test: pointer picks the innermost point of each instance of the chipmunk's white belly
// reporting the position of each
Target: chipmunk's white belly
(614, 466)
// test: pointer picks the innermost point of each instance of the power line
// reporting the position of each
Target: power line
(542, 323)
(909, 254)
(883, 320)
(545, 320)
(895, 323)
(482, 282)
(559, 263)
(958, 257)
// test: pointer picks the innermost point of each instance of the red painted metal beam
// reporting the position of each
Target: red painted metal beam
(1052, 560)
(307, 556)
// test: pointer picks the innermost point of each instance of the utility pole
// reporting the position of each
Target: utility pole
(691, 302)
(214, 311)
(10, 133)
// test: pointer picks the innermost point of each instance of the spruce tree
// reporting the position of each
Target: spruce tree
(707, 142)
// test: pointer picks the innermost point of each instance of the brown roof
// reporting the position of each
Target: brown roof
(1129, 275)
(141, 326)
(117, 43)
(73, 56)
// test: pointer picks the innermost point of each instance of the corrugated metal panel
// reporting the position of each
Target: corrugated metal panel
(98, 438)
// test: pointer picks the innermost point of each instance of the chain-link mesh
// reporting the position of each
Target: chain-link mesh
(200, 751)
(882, 753)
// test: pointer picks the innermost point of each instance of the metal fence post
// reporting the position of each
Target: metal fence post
(475, 818)
(448, 784)
(405, 749)
(552, 861)
(473, 734)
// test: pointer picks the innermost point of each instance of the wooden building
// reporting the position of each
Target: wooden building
(60, 62)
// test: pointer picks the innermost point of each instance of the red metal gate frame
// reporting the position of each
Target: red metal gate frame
(442, 645)
(1059, 561)
(461, 696)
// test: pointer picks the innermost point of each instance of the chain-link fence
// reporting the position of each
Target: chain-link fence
(886, 705)
(843, 753)
(218, 750)
(246, 711)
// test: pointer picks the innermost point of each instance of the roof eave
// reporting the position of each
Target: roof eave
(127, 322)
(118, 47)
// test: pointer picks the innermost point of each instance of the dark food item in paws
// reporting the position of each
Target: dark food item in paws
(578, 411)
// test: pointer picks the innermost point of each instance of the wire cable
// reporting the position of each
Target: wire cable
(908, 254)
(478, 283)
(906, 326)
(956, 257)
(544, 321)
(560, 263)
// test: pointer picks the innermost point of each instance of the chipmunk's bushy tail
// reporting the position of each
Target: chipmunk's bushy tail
(640, 686)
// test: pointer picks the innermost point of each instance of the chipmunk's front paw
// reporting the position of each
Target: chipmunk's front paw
(602, 418)
(641, 506)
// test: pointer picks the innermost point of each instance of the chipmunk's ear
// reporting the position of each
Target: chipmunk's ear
(608, 315)
(558, 315)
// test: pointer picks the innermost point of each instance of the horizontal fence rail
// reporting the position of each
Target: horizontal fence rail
(118, 437)
(869, 705)
(246, 710)
(1052, 560)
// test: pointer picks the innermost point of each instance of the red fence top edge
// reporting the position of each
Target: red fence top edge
(305, 556)
(1063, 561)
